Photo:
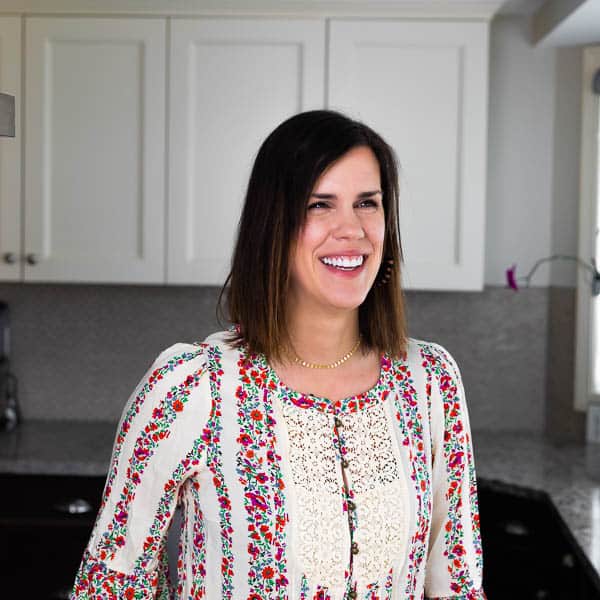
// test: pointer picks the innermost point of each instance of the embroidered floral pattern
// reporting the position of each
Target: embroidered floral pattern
(475, 524)
(455, 445)
(162, 518)
(469, 595)
(94, 580)
(373, 589)
(410, 421)
(183, 547)
(156, 430)
(258, 467)
(474, 504)
(214, 460)
(198, 559)
(134, 409)
(349, 404)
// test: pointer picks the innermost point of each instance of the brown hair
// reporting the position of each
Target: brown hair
(285, 171)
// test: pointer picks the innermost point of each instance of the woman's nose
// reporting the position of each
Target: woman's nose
(348, 225)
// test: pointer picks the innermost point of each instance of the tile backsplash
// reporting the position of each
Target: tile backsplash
(79, 350)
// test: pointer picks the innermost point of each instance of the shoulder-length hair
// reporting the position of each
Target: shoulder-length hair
(285, 171)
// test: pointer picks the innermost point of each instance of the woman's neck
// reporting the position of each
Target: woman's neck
(323, 338)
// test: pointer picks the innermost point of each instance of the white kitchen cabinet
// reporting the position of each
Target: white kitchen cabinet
(231, 82)
(10, 152)
(95, 160)
(141, 134)
(423, 85)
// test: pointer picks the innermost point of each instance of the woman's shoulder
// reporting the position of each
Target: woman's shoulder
(215, 349)
(173, 391)
(221, 340)
(417, 344)
(420, 352)
(175, 364)
(178, 348)
(217, 339)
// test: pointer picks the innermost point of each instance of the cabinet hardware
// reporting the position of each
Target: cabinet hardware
(10, 258)
(7, 115)
(32, 259)
(516, 528)
(74, 507)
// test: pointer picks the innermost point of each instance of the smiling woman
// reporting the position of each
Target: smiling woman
(336, 256)
(316, 451)
(317, 179)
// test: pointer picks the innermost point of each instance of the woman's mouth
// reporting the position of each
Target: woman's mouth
(350, 264)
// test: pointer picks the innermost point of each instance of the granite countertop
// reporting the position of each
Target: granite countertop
(568, 473)
(58, 448)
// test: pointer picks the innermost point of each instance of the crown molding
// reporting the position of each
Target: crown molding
(407, 9)
(550, 15)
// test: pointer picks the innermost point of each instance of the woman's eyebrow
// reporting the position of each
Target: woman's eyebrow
(330, 196)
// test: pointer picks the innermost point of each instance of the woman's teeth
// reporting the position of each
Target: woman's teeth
(343, 262)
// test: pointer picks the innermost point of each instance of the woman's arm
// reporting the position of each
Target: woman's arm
(157, 446)
(455, 562)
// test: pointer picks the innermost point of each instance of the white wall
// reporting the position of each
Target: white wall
(565, 173)
(533, 158)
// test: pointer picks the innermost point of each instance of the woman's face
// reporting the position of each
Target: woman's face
(336, 256)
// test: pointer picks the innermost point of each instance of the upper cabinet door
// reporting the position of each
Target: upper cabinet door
(10, 153)
(232, 82)
(423, 86)
(95, 161)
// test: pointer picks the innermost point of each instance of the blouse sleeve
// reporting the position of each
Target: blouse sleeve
(158, 445)
(455, 563)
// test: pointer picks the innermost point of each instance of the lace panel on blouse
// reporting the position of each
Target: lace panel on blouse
(377, 487)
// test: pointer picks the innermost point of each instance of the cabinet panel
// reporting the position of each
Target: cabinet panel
(423, 85)
(45, 524)
(95, 109)
(232, 82)
(10, 152)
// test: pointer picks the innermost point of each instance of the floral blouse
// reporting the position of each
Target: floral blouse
(286, 495)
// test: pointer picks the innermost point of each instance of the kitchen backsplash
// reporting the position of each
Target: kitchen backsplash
(79, 350)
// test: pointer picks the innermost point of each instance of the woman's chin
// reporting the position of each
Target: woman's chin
(345, 300)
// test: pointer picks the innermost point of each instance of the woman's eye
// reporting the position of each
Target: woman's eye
(317, 205)
(368, 203)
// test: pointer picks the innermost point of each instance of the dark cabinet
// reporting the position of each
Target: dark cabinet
(528, 551)
(45, 524)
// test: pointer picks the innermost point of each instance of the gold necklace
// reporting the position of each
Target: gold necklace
(332, 365)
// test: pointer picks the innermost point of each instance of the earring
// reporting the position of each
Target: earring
(385, 271)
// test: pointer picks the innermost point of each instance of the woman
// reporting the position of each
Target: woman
(316, 450)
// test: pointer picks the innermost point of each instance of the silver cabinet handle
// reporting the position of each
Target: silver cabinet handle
(74, 507)
(10, 258)
(517, 528)
(32, 259)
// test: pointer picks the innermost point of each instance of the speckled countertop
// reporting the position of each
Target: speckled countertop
(57, 448)
(569, 473)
